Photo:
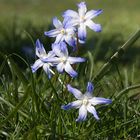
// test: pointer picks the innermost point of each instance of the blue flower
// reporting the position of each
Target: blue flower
(62, 60)
(82, 18)
(63, 32)
(85, 102)
(41, 53)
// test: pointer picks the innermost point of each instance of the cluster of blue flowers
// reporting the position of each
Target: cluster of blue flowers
(68, 33)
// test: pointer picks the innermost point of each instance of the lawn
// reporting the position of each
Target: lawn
(30, 103)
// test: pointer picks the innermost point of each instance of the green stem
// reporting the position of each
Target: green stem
(119, 53)
(126, 90)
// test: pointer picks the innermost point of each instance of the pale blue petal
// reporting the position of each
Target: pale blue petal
(50, 54)
(57, 49)
(99, 100)
(53, 60)
(92, 110)
(81, 41)
(63, 48)
(82, 32)
(38, 63)
(82, 113)
(59, 38)
(82, 9)
(90, 87)
(77, 93)
(70, 70)
(93, 13)
(71, 31)
(57, 23)
(52, 33)
(66, 22)
(47, 70)
(93, 26)
(70, 13)
(60, 49)
(75, 104)
(60, 67)
(70, 40)
(73, 60)
(40, 51)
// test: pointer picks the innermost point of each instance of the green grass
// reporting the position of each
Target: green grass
(30, 103)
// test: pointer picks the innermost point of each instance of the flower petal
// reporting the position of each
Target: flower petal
(70, 13)
(60, 49)
(70, 40)
(60, 67)
(75, 104)
(47, 70)
(63, 48)
(90, 87)
(77, 93)
(73, 60)
(38, 63)
(82, 32)
(50, 54)
(57, 23)
(53, 60)
(52, 33)
(93, 26)
(59, 38)
(70, 70)
(93, 13)
(82, 9)
(99, 100)
(92, 110)
(40, 51)
(82, 113)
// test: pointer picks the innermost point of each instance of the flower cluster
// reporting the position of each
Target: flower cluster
(70, 32)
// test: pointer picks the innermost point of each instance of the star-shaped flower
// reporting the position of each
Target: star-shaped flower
(82, 18)
(85, 102)
(41, 53)
(62, 60)
(63, 32)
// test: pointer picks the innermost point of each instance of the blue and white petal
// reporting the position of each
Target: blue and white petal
(70, 40)
(47, 70)
(70, 13)
(59, 38)
(82, 113)
(75, 104)
(77, 93)
(93, 26)
(93, 13)
(50, 54)
(52, 33)
(53, 60)
(40, 51)
(57, 49)
(60, 67)
(90, 87)
(70, 70)
(92, 110)
(73, 60)
(57, 23)
(82, 32)
(99, 100)
(82, 9)
(38, 63)
(63, 49)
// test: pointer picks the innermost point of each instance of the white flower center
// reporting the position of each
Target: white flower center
(82, 19)
(63, 59)
(85, 101)
(63, 31)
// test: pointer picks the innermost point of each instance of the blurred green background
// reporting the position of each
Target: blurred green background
(17, 17)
